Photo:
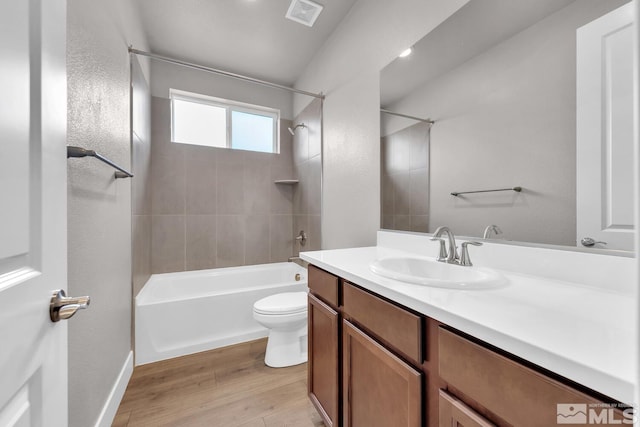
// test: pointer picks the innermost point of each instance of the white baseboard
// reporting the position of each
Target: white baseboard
(108, 413)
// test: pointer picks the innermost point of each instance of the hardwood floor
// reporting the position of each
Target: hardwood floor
(226, 387)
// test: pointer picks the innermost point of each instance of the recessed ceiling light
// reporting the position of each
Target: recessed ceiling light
(405, 53)
(304, 12)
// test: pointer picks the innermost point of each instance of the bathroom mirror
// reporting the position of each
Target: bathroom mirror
(498, 78)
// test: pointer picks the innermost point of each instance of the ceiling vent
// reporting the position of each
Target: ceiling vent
(304, 12)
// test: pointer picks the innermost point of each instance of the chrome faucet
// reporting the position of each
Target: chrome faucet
(449, 255)
(491, 229)
(464, 257)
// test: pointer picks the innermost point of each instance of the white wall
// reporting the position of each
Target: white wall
(165, 76)
(347, 70)
(99, 207)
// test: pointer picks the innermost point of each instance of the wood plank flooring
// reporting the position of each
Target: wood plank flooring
(226, 387)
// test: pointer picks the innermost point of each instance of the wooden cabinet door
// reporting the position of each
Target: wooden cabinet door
(324, 368)
(454, 413)
(379, 389)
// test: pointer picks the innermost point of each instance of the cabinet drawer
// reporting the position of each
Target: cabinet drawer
(324, 285)
(452, 412)
(396, 327)
(517, 394)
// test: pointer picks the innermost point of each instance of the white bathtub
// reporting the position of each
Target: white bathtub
(188, 312)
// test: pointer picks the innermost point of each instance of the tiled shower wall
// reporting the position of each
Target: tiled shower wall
(405, 179)
(214, 207)
(140, 183)
(307, 164)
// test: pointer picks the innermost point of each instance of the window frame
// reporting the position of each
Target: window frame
(230, 106)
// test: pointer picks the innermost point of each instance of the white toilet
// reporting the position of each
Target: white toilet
(285, 315)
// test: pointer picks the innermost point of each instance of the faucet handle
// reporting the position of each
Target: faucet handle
(464, 257)
(442, 256)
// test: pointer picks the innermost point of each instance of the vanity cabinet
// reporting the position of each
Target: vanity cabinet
(513, 393)
(380, 389)
(373, 362)
(324, 346)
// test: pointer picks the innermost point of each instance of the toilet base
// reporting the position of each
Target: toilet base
(286, 347)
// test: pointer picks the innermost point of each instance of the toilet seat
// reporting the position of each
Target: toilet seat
(282, 304)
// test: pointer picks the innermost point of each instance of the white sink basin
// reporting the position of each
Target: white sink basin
(429, 272)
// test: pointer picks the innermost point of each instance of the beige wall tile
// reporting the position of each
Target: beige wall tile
(161, 115)
(167, 178)
(257, 184)
(314, 184)
(314, 233)
(167, 243)
(397, 153)
(281, 168)
(230, 240)
(141, 253)
(301, 190)
(300, 144)
(200, 242)
(286, 140)
(256, 242)
(419, 192)
(229, 186)
(386, 149)
(387, 222)
(401, 193)
(419, 135)
(387, 195)
(281, 230)
(402, 222)
(281, 198)
(300, 222)
(405, 177)
(420, 223)
(200, 169)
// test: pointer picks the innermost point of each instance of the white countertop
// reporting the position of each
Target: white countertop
(580, 332)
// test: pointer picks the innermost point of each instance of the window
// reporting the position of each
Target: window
(214, 122)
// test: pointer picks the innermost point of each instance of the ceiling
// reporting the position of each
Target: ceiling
(475, 28)
(250, 37)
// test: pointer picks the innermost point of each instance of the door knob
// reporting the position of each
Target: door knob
(589, 242)
(62, 307)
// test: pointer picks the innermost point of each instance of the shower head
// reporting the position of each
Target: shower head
(292, 131)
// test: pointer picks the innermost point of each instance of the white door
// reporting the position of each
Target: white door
(605, 180)
(33, 349)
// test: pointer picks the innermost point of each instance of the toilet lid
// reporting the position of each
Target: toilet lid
(284, 303)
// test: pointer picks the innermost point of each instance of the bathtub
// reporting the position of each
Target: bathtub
(187, 312)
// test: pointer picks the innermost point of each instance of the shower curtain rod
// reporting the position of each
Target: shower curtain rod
(382, 110)
(222, 72)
